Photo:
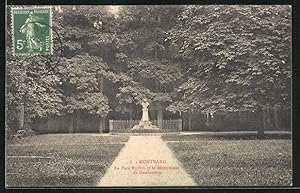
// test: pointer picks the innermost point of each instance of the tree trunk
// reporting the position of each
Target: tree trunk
(268, 117)
(208, 120)
(184, 121)
(77, 122)
(160, 117)
(101, 125)
(276, 118)
(48, 124)
(190, 120)
(101, 84)
(101, 119)
(21, 115)
(71, 127)
(261, 129)
(22, 105)
(240, 119)
(180, 125)
(130, 116)
(62, 119)
(157, 84)
(159, 108)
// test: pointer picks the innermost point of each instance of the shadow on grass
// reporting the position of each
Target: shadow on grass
(253, 136)
(216, 136)
(229, 161)
(50, 181)
(73, 160)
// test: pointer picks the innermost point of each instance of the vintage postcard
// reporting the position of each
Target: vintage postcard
(148, 96)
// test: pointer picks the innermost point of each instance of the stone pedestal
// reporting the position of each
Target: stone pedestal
(145, 123)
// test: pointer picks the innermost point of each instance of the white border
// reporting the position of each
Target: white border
(149, 187)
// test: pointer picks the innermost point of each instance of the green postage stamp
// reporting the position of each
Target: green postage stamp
(31, 30)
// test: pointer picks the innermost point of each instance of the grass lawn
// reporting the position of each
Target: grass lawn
(234, 161)
(60, 159)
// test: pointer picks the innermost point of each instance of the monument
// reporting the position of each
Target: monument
(145, 123)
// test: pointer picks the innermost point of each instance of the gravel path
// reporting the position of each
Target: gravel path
(146, 161)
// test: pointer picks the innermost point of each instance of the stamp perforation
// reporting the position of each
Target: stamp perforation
(13, 8)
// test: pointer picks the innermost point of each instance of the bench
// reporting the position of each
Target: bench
(20, 134)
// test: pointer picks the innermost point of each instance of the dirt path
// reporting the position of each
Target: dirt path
(133, 166)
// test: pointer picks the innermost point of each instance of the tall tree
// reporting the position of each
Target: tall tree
(238, 56)
(146, 59)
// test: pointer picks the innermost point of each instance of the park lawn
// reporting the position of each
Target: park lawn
(233, 161)
(61, 159)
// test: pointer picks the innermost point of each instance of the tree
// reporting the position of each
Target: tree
(146, 59)
(75, 84)
(82, 89)
(89, 49)
(30, 93)
(187, 58)
(237, 56)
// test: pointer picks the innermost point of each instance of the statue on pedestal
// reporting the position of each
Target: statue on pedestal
(145, 123)
(145, 116)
